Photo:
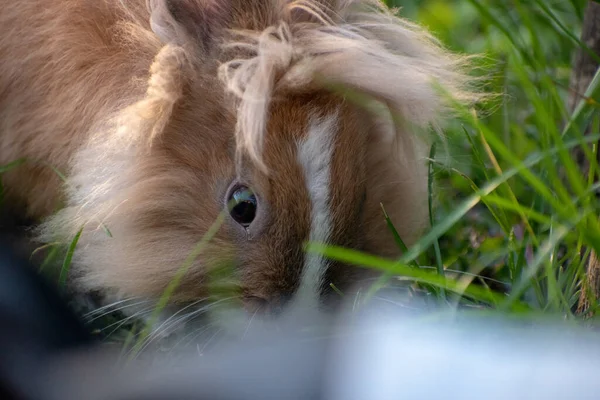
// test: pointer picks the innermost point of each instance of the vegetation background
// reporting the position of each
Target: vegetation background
(515, 216)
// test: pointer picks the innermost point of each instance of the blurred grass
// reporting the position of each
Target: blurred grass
(510, 202)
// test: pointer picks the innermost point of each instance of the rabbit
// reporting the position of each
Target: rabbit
(142, 122)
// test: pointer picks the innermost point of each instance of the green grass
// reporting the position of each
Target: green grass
(510, 202)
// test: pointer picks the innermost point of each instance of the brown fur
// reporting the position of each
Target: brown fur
(152, 127)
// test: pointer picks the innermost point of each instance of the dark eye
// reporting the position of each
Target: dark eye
(242, 205)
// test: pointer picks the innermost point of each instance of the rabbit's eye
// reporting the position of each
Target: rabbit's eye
(242, 205)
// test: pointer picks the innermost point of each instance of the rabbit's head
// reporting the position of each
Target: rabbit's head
(292, 121)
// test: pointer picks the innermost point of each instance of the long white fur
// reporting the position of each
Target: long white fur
(314, 155)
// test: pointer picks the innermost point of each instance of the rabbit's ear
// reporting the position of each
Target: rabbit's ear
(187, 22)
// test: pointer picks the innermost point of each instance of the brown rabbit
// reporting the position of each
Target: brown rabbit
(161, 113)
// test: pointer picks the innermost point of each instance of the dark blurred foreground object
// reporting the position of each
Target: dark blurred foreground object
(35, 324)
(45, 354)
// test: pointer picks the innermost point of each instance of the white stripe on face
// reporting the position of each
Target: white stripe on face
(314, 155)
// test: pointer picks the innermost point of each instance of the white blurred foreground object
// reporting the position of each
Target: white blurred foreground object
(373, 359)
(472, 360)
(45, 355)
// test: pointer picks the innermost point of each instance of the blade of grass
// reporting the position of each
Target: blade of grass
(500, 217)
(64, 271)
(395, 233)
(11, 165)
(418, 275)
(506, 185)
(466, 205)
(436, 244)
(566, 31)
(544, 251)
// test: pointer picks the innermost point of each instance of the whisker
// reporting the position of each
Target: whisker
(396, 303)
(206, 308)
(194, 335)
(111, 310)
(125, 320)
(104, 307)
(208, 341)
(356, 301)
(157, 330)
(250, 322)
